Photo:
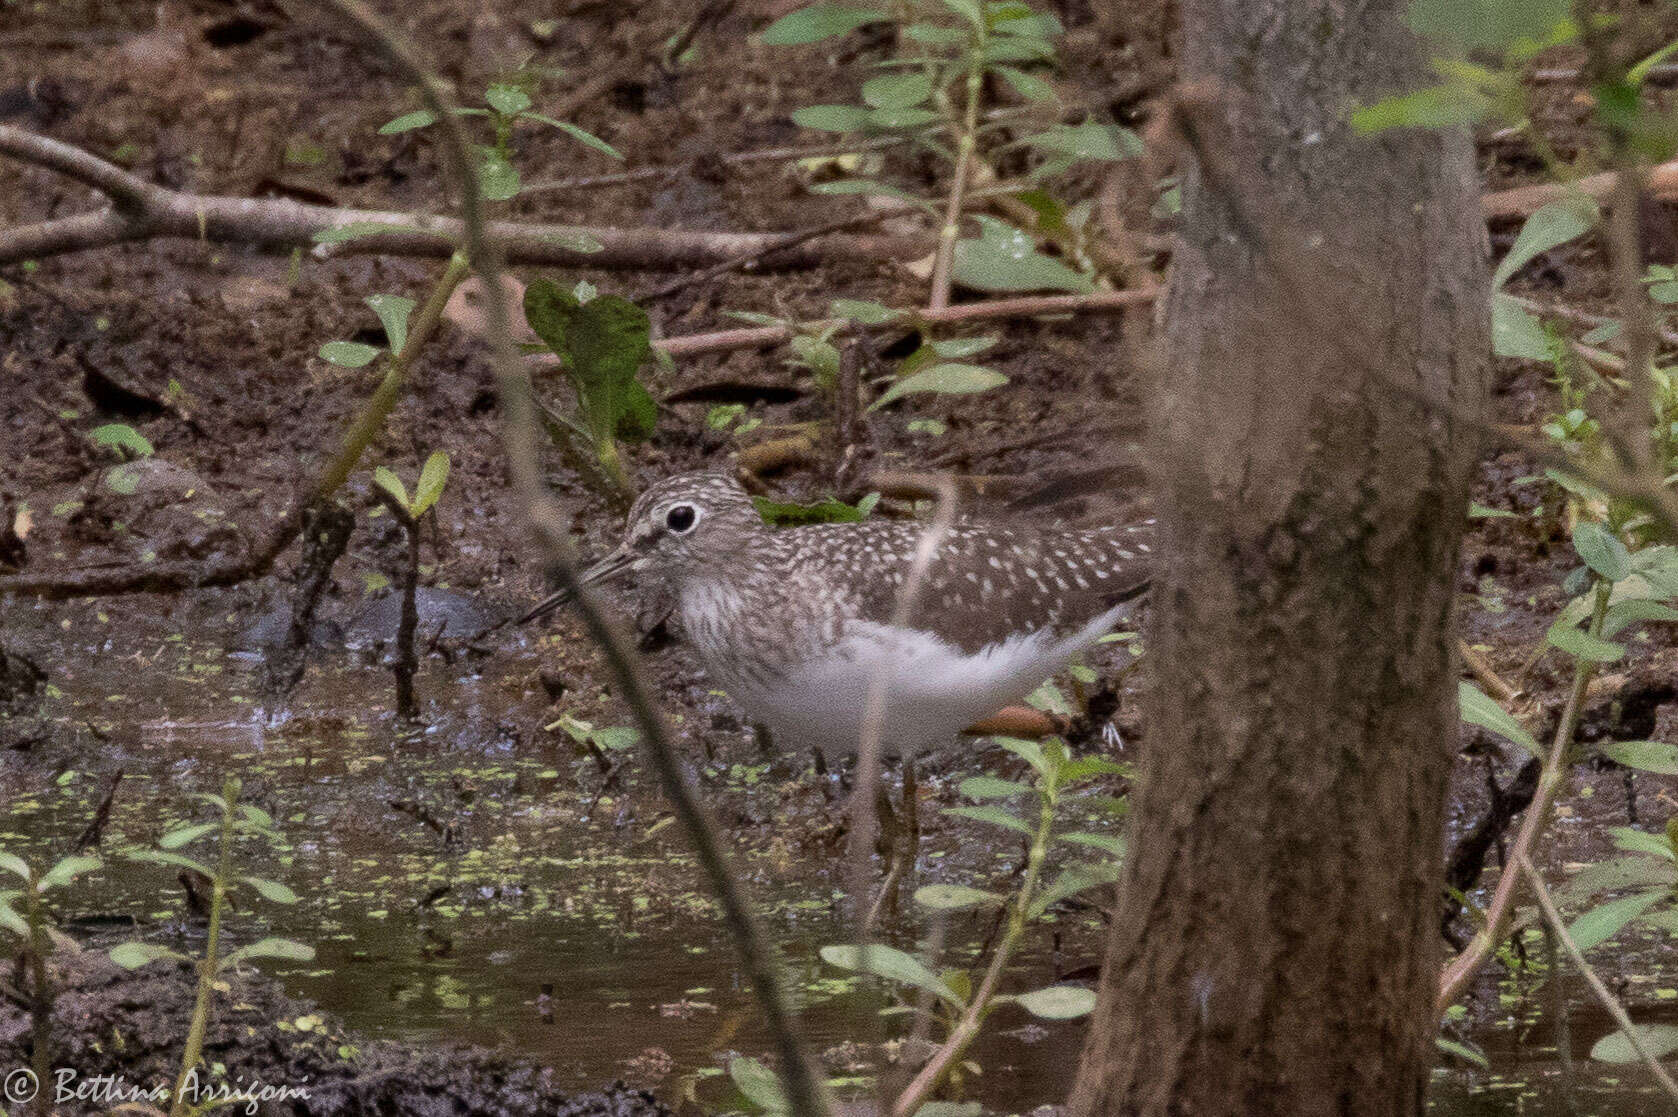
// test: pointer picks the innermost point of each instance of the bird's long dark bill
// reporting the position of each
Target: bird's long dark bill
(609, 567)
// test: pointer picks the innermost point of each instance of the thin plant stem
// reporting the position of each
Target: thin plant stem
(967, 1028)
(194, 1052)
(1461, 969)
(1615, 1009)
(966, 147)
(40, 1002)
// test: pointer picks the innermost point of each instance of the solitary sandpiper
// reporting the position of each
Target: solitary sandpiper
(794, 623)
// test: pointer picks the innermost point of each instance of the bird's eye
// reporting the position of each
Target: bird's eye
(681, 518)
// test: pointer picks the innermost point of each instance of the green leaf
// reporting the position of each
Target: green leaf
(271, 890)
(407, 122)
(10, 920)
(760, 1085)
(990, 787)
(863, 313)
(901, 118)
(1002, 258)
(1637, 841)
(1661, 1040)
(935, 34)
(1604, 921)
(175, 839)
(433, 476)
(14, 864)
(393, 485)
(498, 179)
(832, 118)
(1437, 106)
(1618, 873)
(970, 9)
(581, 135)
(1075, 142)
(133, 955)
(949, 379)
(954, 348)
(990, 813)
(1462, 1051)
(955, 897)
(162, 857)
(1580, 644)
(348, 354)
(601, 344)
(893, 965)
(508, 100)
(1515, 333)
(1552, 225)
(1477, 708)
(897, 91)
(121, 436)
(1623, 614)
(1029, 751)
(1646, 756)
(1106, 842)
(1601, 551)
(1029, 86)
(284, 950)
(791, 514)
(393, 312)
(1487, 24)
(816, 22)
(1058, 1002)
(1087, 766)
(1073, 880)
(67, 869)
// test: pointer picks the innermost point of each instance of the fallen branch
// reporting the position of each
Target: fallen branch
(759, 337)
(1523, 201)
(141, 211)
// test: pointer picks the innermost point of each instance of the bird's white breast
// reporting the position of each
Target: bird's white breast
(934, 689)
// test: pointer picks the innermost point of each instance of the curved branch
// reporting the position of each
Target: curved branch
(144, 210)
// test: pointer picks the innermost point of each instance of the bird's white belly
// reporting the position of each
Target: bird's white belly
(934, 689)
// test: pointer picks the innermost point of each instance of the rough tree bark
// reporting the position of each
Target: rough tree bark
(1277, 945)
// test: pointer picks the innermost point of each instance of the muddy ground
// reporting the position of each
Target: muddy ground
(465, 876)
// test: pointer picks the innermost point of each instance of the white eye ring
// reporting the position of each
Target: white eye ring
(681, 518)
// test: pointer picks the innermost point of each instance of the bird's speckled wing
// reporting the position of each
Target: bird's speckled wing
(987, 583)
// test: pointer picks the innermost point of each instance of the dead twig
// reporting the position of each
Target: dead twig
(748, 259)
(142, 211)
(1524, 201)
(1615, 1009)
(1483, 671)
(759, 337)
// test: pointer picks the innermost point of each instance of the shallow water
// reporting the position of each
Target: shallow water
(454, 889)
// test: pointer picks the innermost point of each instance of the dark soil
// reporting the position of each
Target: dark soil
(116, 1031)
(210, 353)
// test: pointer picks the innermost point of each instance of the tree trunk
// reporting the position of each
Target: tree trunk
(1277, 946)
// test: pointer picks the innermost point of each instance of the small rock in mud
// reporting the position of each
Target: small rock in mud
(445, 613)
(269, 632)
